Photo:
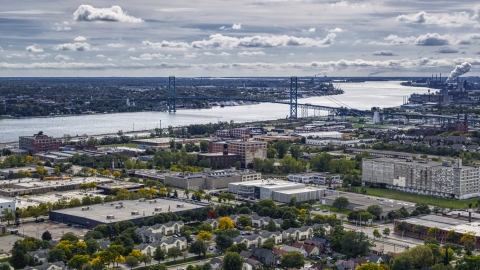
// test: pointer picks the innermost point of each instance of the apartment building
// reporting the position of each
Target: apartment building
(39, 143)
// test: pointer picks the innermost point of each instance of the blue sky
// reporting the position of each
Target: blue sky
(238, 38)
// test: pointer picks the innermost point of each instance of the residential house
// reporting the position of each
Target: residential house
(262, 222)
(265, 256)
(251, 264)
(302, 233)
(320, 266)
(47, 266)
(321, 241)
(180, 242)
(104, 244)
(148, 248)
(7, 264)
(216, 263)
(473, 148)
(256, 240)
(212, 222)
(157, 232)
(247, 255)
(40, 256)
(291, 248)
(460, 147)
(310, 249)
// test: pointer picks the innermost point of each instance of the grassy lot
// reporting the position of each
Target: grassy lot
(359, 125)
(130, 145)
(415, 198)
(333, 209)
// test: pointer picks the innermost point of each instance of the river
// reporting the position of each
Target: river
(357, 95)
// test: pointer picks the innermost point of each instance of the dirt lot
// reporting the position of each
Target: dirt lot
(6, 243)
(33, 229)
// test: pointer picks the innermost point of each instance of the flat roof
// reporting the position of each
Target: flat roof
(267, 183)
(146, 209)
(5, 200)
(440, 221)
(364, 201)
(298, 190)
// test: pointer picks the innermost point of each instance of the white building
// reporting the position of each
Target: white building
(9, 204)
(315, 178)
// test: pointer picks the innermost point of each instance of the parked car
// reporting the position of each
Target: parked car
(317, 209)
(210, 247)
(324, 210)
(40, 220)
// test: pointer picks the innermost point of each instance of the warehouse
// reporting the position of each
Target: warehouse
(109, 213)
(302, 194)
(212, 180)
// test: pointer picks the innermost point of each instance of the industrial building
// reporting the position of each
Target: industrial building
(39, 143)
(238, 133)
(315, 178)
(7, 204)
(442, 179)
(212, 180)
(109, 213)
(220, 160)
(248, 150)
(277, 190)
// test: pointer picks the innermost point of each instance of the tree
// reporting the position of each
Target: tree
(205, 227)
(434, 232)
(145, 259)
(355, 244)
(198, 247)
(419, 229)
(282, 147)
(386, 232)
(292, 259)
(131, 261)
(402, 226)
(376, 233)
(174, 252)
(92, 246)
(269, 244)
(225, 223)
(452, 236)
(204, 235)
(244, 221)
(375, 210)
(233, 261)
(340, 202)
(403, 262)
(223, 241)
(369, 266)
(47, 236)
(271, 227)
(78, 261)
(8, 215)
(422, 256)
(204, 145)
(159, 254)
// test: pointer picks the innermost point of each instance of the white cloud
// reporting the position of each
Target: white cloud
(115, 14)
(63, 58)
(208, 54)
(34, 49)
(224, 54)
(383, 53)
(447, 50)
(151, 56)
(170, 10)
(38, 56)
(1, 50)
(110, 59)
(16, 55)
(190, 55)
(30, 12)
(73, 47)
(291, 54)
(80, 38)
(237, 26)
(430, 39)
(253, 53)
(457, 19)
(116, 45)
(132, 49)
(222, 27)
(61, 27)
(166, 45)
(311, 29)
(346, 4)
(335, 30)
(100, 56)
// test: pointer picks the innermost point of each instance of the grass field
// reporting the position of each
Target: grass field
(130, 145)
(415, 198)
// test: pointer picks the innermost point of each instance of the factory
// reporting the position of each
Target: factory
(277, 190)
(442, 179)
(210, 179)
(110, 213)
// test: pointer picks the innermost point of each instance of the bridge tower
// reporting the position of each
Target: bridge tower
(293, 97)
(172, 94)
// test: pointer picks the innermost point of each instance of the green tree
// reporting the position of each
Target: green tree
(282, 147)
(78, 261)
(47, 236)
(271, 227)
(340, 202)
(144, 258)
(232, 261)
(174, 252)
(453, 236)
(131, 261)
(433, 232)
(419, 229)
(271, 152)
(375, 210)
(292, 259)
(386, 232)
(403, 262)
(92, 246)
(422, 256)
(159, 254)
(369, 266)
(355, 244)
(203, 146)
(376, 233)
(268, 244)
(8, 215)
(244, 221)
(198, 247)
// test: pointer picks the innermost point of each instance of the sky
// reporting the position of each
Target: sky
(238, 38)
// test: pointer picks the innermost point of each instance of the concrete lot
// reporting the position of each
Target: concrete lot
(6, 243)
(33, 229)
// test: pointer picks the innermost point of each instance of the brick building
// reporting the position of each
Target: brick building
(39, 143)
(248, 150)
(238, 133)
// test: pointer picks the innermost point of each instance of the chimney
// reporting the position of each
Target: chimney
(469, 216)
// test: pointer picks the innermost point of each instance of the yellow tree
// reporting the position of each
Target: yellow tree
(117, 174)
(29, 159)
(152, 191)
(92, 172)
(106, 173)
(225, 223)
(163, 192)
(204, 235)
(136, 253)
(369, 266)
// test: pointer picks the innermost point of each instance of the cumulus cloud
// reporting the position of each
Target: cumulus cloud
(38, 56)
(73, 47)
(237, 26)
(224, 54)
(383, 53)
(335, 30)
(172, 45)
(63, 58)
(208, 54)
(100, 56)
(116, 45)
(430, 39)
(311, 29)
(151, 56)
(248, 53)
(61, 27)
(190, 55)
(132, 49)
(80, 38)
(447, 50)
(113, 14)
(457, 19)
(34, 49)
(346, 4)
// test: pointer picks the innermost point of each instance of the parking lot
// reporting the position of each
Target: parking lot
(33, 229)
(6, 243)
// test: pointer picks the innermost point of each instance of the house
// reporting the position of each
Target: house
(458, 146)
(472, 148)
(39, 256)
(104, 244)
(276, 236)
(310, 249)
(7, 264)
(262, 222)
(319, 245)
(320, 266)
(247, 255)
(212, 222)
(265, 256)
(379, 259)
(321, 241)
(291, 248)
(47, 266)
(148, 248)
(257, 240)
(180, 242)
(301, 233)
(216, 263)
(157, 232)
(251, 264)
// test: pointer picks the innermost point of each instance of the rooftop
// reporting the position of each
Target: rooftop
(267, 183)
(146, 209)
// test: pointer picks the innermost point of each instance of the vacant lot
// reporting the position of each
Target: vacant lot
(36, 230)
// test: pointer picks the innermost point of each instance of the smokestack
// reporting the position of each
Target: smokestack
(469, 216)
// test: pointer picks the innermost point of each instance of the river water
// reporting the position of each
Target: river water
(357, 95)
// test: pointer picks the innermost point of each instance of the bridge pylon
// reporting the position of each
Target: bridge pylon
(293, 97)
(172, 95)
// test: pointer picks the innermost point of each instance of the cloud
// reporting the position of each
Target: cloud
(383, 53)
(63, 58)
(1, 50)
(225, 54)
(248, 53)
(30, 12)
(149, 56)
(59, 27)
(447, 50)
(457, 19)
(237, 26)
(469, 39)
(80, 38)
(16, 55)
(34, 49)
(116, 45)
(430, 39)
(170, 10)
(166, 45)
(73, 47)
(346, 4)
(311, 29)
(38, 56)
(222, 27)
(335, 30)
(132, 49)
(208, 54)
(100, 56)
(113, 14)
